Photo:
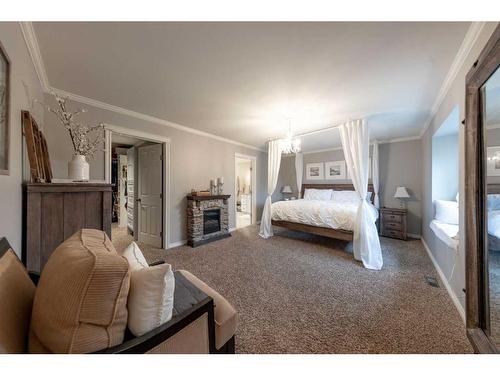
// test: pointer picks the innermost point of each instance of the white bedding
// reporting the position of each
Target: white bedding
(448, 233)
(326, 214)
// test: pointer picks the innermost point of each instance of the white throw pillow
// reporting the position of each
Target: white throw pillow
(318, 194)
(151, 298)
(135, 257)
(345, 196)
(446, 211)
(151, 295)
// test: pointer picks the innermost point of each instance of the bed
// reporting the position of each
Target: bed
(329, 219)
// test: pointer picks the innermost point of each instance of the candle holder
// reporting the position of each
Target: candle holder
(219, 188)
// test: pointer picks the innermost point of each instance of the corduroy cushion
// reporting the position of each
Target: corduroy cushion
(80, 302)
(16, 299)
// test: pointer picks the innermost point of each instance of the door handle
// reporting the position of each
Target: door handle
(138, 200)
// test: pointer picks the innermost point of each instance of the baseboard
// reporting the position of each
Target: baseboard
(177, 244)
(444, 280)
(414, 235)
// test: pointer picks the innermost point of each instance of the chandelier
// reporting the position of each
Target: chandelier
(290, 145)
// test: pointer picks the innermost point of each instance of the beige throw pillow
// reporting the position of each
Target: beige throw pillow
(151, 296)
(80, 302)
(16, 299)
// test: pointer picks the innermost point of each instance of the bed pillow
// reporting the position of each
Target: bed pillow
(151, 296)
(318, 194)
(446, 211)
(345, 196)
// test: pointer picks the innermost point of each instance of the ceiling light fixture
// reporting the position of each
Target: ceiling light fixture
(290, 144)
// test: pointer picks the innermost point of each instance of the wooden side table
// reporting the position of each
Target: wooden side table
(393, 223)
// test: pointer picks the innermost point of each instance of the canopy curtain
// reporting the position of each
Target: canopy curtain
(356, 146)
(375, 182)
(299, 170)
(273, 169)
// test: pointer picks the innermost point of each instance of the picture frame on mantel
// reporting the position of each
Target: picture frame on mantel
(4, 111)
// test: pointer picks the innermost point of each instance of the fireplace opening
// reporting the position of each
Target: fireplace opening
(211, 221)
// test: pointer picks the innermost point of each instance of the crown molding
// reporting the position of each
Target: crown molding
(469, 40)
(395, 140)
(36, 56)
(144, 117)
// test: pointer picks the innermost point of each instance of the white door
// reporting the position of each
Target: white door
(150, 189)
(130, 190)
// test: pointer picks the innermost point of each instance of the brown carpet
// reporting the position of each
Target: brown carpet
(300, 293)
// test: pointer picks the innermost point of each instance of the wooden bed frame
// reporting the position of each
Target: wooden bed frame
(340, 234)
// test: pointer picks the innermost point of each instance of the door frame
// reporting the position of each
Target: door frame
(109, 129)
(253, 215)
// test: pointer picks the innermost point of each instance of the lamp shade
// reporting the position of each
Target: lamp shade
(401, 192)
(286, 189)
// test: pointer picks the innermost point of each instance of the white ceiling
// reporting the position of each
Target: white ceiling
(243, 80)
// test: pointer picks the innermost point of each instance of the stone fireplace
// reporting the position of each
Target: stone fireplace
(207, 219)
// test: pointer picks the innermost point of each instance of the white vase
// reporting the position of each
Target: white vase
(78, 168)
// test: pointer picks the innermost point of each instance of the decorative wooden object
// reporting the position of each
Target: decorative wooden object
(53, 212)
(476, 261)
(393, 223)
(38, 153)
(344, 235)
(5, 114)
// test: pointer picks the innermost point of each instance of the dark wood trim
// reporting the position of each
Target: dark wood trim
(337, 187)
(338, 234)
(477, 318)
(4, 246)
(7, 115)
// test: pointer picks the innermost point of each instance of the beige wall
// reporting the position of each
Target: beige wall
(22, 70)
(399, 165)
(455, 96)
(194, 161)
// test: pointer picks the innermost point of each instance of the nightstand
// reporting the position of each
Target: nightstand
(393, 223)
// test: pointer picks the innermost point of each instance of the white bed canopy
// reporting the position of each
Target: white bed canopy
(356, 147)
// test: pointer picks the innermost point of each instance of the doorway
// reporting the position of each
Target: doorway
(137, 166)
(245, 190)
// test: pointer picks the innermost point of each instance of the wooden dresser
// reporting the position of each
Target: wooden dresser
(55, 211)
(393, 223)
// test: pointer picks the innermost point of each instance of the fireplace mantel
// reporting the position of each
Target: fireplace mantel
(207, 197)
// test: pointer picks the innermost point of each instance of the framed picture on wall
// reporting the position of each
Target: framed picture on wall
(314, 171)
(335, 170)
(493, 157)
(4, 111)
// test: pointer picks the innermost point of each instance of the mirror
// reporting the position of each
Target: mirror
(490, 99)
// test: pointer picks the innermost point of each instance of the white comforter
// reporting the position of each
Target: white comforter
(326, 214)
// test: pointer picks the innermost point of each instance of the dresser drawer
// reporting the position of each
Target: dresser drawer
(393, 233)
(391, 218)
(389, 225)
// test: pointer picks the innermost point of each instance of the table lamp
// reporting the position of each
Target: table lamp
(402, 194)
(286, 190)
